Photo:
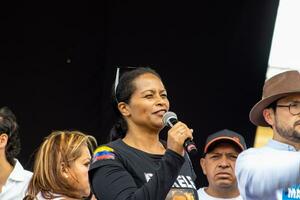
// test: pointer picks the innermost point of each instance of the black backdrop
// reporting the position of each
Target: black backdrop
(58, 62)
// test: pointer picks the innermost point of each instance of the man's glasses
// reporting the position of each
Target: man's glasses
(294, 108)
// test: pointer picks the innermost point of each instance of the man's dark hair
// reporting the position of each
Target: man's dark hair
(9, 126)
(273, 105)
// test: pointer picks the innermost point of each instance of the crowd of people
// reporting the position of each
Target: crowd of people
(138, 164)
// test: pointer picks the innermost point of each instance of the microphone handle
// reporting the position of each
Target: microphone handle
(190, 147)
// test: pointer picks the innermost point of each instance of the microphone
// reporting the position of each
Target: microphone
(169, 120)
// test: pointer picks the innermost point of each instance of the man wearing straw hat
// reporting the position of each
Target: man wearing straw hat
(273, 171)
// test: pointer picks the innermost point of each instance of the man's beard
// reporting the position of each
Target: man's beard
(288, 133)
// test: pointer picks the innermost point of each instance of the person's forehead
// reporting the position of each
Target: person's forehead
(224, 147)
(148, 82)
(84, 152)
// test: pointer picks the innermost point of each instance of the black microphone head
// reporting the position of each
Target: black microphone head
(169, 119)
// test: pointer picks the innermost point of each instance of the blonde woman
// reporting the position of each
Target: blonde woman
(61, 167)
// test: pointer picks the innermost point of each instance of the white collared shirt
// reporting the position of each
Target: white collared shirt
(263, 172)
(16, 184)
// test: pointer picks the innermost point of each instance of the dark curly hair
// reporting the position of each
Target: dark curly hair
(9, 126)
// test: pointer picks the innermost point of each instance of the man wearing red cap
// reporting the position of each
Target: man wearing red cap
(273, 171)
(218, 164)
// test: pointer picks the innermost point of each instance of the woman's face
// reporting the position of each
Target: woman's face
(148, 103)
(78, 173)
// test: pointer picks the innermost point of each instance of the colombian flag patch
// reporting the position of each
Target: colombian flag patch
(103, 153)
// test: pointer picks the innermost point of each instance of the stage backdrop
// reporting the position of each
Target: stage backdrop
(58, 63)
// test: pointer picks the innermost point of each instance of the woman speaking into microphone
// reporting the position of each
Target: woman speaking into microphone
(136, 164)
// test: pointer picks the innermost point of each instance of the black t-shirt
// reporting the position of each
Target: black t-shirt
(120, 172)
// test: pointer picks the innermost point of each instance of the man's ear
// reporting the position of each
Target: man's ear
(269, 116)
(3, 140)
(123, 108)
(203, 165)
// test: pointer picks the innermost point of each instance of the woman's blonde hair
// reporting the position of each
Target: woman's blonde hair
(59, 147)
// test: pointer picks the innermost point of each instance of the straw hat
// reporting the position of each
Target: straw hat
(278, 86)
